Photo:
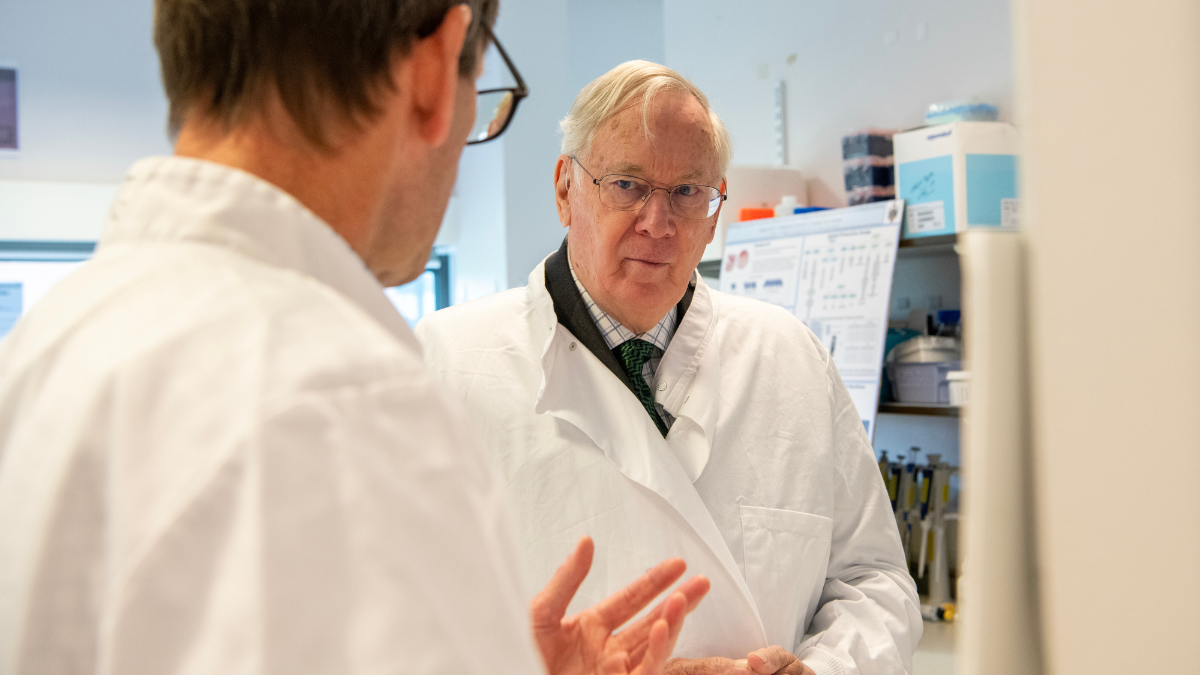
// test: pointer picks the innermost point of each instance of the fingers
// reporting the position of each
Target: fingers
(658, 649)
(549, 606)
(770, 660)
(672, 610)
(634, 637)
(619, 607)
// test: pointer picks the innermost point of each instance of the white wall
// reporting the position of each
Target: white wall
(559, 47)
(535, 34)
(89, 105)
(604, 33)
(854, 64)
(90, 99)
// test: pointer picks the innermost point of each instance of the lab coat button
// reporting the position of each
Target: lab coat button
(662, 386)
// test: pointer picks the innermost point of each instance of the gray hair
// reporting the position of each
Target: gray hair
(628, 83)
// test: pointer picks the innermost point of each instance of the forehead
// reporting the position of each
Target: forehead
(670, 141)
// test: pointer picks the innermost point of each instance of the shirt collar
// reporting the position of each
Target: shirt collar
(167, 199)
(614, 333)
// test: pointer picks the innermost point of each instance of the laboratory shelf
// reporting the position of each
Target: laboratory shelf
(710, 268)
(942, 245)
(927, 409)
(928, 242)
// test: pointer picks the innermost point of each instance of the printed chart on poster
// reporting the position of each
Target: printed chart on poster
(833, 270)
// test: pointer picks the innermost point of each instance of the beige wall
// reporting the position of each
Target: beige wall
(1108, 101)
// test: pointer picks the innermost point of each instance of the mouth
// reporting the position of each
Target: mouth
(649, 264)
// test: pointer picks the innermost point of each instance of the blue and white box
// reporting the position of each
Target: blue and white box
(955, 176)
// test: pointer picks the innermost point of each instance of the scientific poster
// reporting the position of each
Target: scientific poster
(833, 270)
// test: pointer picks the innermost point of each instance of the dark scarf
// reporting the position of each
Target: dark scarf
(573, 313)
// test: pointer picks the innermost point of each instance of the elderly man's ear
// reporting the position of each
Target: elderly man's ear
(562, 189)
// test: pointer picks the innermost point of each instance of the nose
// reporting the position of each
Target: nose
(655, 218)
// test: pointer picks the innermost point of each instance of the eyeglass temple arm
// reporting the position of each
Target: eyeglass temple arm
(522, 88)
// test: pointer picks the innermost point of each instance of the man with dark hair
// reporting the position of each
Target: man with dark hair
(220, 451)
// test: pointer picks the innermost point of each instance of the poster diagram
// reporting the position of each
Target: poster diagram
(833, 270)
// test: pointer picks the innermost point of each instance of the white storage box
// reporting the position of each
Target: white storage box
(955, 176)
(922, 382)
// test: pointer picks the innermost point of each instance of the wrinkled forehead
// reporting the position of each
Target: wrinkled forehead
(670, 141)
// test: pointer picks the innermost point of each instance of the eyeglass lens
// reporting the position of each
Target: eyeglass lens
(626, 193)
(492, 110)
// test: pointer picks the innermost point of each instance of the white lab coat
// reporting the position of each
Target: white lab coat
(766, 482)
(220, 453)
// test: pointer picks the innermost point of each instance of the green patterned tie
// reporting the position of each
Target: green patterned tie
(633, 355)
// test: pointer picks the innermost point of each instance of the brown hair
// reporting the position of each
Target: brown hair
(323, 57)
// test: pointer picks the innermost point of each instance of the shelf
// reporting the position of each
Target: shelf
(941, 245)
(927, 409)
(710, 268)
(927, 242)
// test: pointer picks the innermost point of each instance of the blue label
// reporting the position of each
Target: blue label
(929, 180)
(990, 178)
(11, 304)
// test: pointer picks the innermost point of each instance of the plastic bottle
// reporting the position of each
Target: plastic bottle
(786, 206)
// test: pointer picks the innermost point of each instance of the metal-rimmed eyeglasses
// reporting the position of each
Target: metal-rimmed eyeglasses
(630, 193)
(495, 108)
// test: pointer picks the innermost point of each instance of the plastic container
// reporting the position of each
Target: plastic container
(960, 111)
(959, 387)
(787, 206)
(917, 369)
(926, 349)
(868, 142)
(868, 172)
(752, 213)
(922, 382)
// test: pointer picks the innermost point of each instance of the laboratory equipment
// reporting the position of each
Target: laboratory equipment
(936, 493)
(917, 369)
(867, 168)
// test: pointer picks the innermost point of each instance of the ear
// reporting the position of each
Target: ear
(712, 232)
(562, 188)
(429, 73)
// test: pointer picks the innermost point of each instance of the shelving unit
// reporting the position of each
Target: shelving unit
(927, 409)
(929, 242)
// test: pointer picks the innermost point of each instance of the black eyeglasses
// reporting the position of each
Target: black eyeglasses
(495, 108)
(630, 193)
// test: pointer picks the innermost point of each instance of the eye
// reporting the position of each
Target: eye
(625, 184)
(686, 190)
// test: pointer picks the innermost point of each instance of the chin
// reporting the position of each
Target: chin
(401, 273)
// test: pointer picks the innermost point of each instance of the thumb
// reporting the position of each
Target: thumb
(769, 660)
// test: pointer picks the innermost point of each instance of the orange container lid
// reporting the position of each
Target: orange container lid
(755, 214)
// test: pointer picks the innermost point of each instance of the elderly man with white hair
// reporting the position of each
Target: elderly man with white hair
(625, 398)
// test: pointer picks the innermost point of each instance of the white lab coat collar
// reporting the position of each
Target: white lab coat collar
(176, 199)
(578, 389)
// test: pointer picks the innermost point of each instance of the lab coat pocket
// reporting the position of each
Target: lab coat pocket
(786, 556)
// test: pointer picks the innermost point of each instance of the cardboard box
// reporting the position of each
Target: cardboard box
(956, 176)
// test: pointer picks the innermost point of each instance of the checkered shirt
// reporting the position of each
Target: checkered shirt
(616, 335)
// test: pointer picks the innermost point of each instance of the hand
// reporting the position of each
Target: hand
(584, 643)
(776, 661)
(714, 665)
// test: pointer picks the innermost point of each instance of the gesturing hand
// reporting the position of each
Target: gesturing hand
(584, 643)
